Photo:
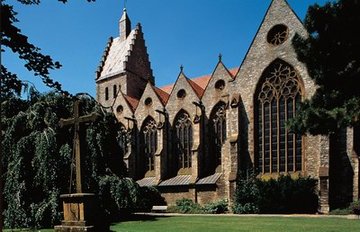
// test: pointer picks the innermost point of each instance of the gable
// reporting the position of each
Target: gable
(177, 102)
(148, 104)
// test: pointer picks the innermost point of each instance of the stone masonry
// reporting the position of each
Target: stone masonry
(125, 85)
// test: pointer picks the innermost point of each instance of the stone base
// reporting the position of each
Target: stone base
(79, 211)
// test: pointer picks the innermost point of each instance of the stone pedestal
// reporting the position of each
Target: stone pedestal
(79, 212)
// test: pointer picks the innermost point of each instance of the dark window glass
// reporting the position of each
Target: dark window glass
(149, 143)
(217, 131)
(184, 139)
(277, 149)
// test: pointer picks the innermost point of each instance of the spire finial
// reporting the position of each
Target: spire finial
(220, 57)
(181, 68)
(124, 5)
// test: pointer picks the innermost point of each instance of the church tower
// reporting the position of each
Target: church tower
(125, 66)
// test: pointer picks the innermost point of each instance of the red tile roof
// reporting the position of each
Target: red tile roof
(133, 102)
(198, 90)
(164, 96)
(201, 82)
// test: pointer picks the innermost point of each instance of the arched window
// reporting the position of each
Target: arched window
(149, 143)
(279, 92)
(114, 91)
(122, 139)
(184, 139)
(217, 131)
(106, 93)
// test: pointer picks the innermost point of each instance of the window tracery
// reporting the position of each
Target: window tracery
(184, 139)
(149, 142)
(278, 149)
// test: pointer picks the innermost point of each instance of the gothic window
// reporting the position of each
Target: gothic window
(278, 34)
(114, 91)
(149, 143)
(122, 139)
(184, 139)
(106, 93)
(278, 149)
(217, 135)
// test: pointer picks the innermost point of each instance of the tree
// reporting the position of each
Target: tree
(332, 56)
(38, 154)
(35, 61)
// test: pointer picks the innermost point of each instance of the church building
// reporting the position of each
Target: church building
(190, 139)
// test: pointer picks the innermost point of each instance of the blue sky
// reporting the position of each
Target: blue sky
(191, 33)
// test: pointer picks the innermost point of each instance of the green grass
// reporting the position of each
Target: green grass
(234, 223)
(231, 223)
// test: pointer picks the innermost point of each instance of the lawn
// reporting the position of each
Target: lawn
(234, 223)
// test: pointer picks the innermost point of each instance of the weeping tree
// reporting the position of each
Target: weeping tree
(37, 157)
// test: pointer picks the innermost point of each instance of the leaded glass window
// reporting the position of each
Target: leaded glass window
(278, 149)
(184, 139)
(217, 134)
(149, 143)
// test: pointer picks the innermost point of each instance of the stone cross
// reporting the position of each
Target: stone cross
(76, 120)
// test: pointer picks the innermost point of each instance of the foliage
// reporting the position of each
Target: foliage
(246, 195)
(38, 154)
(332, 56)
(281, 195)
(16, 42)
(355, 207)
(217, 207)
(148, 197)
(185, 205)
(288, 195)
(344, 211)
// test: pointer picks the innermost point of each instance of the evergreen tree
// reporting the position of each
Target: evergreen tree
(332, 56)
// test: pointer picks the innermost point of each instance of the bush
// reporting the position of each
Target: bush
(282, 195)
(345, 211)
(246, 195)
(355, 207)
(288, 195)
(148, 197)
(185, 205)
(216, 207)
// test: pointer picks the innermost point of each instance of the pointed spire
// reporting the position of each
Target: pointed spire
(124, 25)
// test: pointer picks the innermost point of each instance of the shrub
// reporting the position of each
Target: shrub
(288, 195)
(246, 195)
(355, 207)
(185, 205)
(282, 195)
(216, 207)
(148, 197)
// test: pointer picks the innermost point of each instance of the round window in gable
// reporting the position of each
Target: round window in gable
(278, 34)
(148, 101)
(181, 94)
(119, 109)
(220, 85)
